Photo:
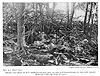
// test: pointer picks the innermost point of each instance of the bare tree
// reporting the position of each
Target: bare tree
(92, 18)
(85, 15)
(20, 27)
(67, 12)
(90, 13)
(72, 13)
(47, 10)
(53, 8)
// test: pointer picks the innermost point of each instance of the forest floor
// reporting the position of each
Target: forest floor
(50, 53)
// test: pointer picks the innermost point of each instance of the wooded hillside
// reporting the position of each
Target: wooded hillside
(39, 34)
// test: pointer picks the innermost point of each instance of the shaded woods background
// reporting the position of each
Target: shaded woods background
(50, 34)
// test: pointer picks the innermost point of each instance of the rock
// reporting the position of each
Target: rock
(17, 63)
(5, 57)
(82, 60)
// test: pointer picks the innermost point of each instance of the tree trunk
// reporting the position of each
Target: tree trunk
(85, 16)
(53, 8)
(67, 13)
(36, 14)
(90, 13)
(47, 10)
(92, 19)
(19, 27)
(41, 16)
(72, 14)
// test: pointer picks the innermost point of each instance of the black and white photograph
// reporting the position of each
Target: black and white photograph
(50, 33)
